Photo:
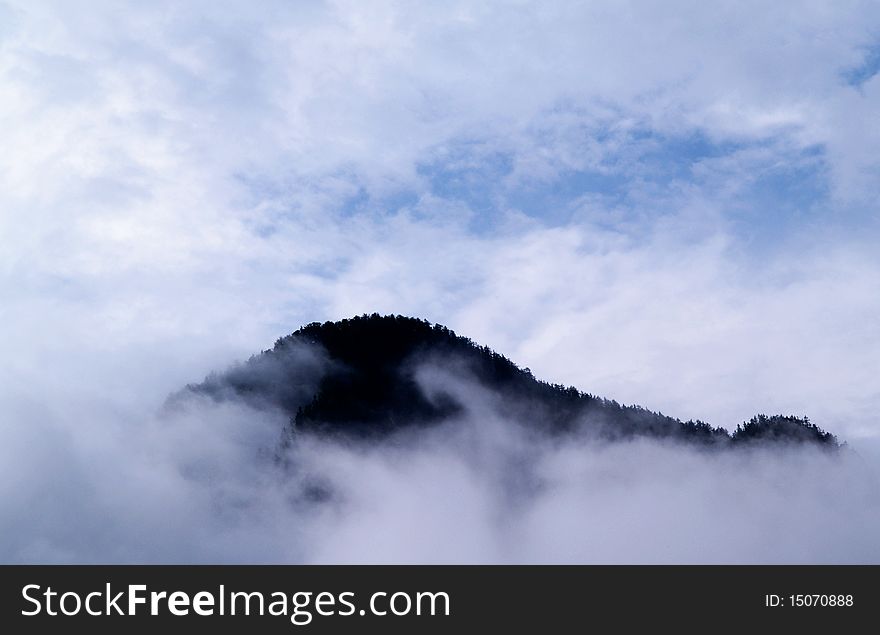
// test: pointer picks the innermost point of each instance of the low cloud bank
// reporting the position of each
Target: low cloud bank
(205, 482)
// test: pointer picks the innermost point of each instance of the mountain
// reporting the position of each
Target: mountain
(371, 375)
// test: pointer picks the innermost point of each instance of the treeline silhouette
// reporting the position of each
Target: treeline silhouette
(368, 388)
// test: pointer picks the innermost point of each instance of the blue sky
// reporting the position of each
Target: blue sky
(864, 70)
(668, 203)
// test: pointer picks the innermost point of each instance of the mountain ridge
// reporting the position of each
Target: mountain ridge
(358, 377)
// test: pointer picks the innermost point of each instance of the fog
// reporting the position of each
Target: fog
(671, 205)
(206, 481)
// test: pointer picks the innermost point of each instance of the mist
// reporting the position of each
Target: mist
(207, 481)
(674, 206)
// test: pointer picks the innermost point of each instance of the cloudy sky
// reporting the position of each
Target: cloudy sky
(667, 203)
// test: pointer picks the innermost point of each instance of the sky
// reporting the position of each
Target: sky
(673, 204)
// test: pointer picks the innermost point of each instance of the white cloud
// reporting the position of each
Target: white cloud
(91, 486)
(176, 187)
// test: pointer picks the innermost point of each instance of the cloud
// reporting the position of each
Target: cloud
(91, 486)
(671, 205)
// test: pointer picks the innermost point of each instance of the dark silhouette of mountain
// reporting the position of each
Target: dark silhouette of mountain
(761, 429)
(360, 377)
